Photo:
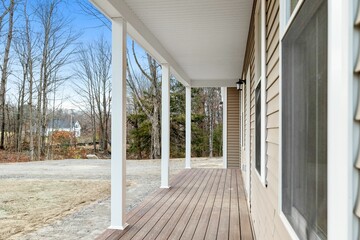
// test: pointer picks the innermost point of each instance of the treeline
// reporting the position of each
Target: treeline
(40, 52)
(93, 86)
(206, 123)
(37, 43)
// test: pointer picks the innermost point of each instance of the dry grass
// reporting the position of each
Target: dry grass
(28, 204)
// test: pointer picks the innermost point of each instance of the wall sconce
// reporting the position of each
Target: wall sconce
(240, 84)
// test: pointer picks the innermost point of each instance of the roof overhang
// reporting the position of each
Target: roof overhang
(203, 41)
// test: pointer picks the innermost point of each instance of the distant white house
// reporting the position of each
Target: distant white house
(64, 125)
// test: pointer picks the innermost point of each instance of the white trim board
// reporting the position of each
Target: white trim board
(142, 35)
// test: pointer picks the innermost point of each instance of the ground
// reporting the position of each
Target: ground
(69, 199)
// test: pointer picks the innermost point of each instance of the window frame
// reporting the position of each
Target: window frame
(260, 78)
(256, 86)
(286, 21)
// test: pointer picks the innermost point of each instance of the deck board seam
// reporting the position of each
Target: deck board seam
(160, 197)
(223, 177)
(202, 204)
(209, 177)
(205, 199)
(212, 207)
(204, 174)
(221, 206)
(196, 175)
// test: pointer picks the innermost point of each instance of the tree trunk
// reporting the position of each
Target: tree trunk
(4, 74)
(211, 135)
(155, 134)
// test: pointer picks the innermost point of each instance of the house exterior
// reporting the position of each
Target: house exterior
(64, 125)
(293, 129)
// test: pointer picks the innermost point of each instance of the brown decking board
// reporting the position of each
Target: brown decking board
(200, 204)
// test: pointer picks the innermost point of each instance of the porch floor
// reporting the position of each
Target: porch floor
(200, 204)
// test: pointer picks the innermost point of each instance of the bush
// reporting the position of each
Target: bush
(63, 138)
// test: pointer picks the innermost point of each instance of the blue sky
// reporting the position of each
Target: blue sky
(91, 29)
(90, 26)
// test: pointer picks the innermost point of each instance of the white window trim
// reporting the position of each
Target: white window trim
(242, 102)
(262, 79)
(247, 136)
(340, 112)
(224, 96)
(287, 22)
(341, 184)
(263, 93)
(284, 27)
(288, 226)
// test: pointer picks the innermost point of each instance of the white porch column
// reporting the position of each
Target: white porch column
(118, 125)
(224, 99)
(165, 125)
(188, 128)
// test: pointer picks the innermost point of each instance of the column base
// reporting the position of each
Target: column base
(119, 227)
(165, 187)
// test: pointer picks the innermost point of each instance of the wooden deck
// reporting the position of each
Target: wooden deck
(201, 204)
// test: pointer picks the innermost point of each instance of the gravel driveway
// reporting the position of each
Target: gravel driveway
(89, 220)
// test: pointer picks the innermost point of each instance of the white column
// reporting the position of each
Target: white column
(118, 125)
(165, 126)
(224, 98)
(188, 128)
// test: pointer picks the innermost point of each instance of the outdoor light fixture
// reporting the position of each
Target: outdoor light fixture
(239, 84)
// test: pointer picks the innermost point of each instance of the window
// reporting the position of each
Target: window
(258, 128)
(304, 121)
(258, 62)
(258, 90)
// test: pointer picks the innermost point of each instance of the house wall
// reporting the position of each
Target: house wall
(233, 128)
(265, 198)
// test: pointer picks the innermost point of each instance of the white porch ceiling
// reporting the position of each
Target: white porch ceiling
(204, 41)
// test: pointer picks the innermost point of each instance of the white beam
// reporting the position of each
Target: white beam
(118, 120)
(188, 128)
(224, 99)
(165, 126)
(214, 83)
(142, 35)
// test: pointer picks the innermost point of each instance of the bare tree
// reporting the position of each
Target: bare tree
(5, 71)
(24, 45)
(212, 111)
(150, 77)
(93, 86)
(89, 10)
(56, 50)
(4, 9)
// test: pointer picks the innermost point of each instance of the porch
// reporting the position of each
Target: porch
(201, 204)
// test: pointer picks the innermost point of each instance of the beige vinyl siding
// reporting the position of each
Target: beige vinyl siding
(233, 128)
(265, 200)
(357, 111)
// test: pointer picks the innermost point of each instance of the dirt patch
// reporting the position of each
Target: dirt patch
(69, 199)
(27, 204)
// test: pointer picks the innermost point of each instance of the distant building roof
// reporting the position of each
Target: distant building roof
(60, 123)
